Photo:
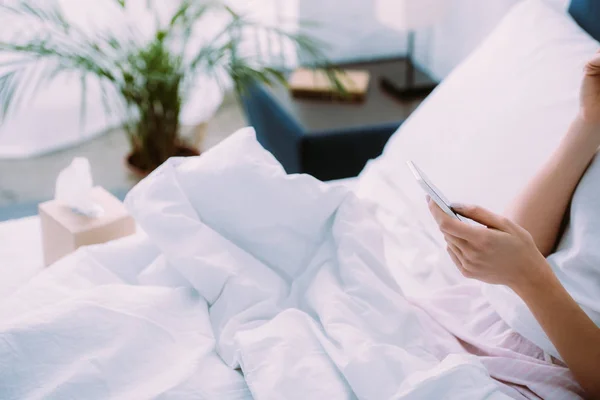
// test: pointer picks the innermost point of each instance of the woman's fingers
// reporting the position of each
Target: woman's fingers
(457, 260)
(453, 256)
(458, 251)
(461, 243)
(465, 272)
(483, 216)
(593, 66)
(453, 226)
(462, 248)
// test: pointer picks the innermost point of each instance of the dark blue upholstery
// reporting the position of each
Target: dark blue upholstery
(275, 129)
(587, 14)
(343, 153)
(327, 155)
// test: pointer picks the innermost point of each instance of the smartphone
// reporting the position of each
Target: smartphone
(433, 191)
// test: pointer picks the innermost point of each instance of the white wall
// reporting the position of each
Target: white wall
(350, 28)
(354, 32)
(466, 24)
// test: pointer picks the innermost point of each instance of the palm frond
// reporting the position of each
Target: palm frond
(181, 14)
(39, 56)
(144, 82)
(183, 21)
(8, 86)
(40, 49)
(276, 74)
(56, 35)
(24, 81)
(17, 62)
(83, 102)
(191, 11)
(50, 13)
(311, 52)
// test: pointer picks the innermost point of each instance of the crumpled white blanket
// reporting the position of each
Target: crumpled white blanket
(250, 284)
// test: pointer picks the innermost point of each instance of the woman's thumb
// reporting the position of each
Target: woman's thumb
(593, 66)
(481, 215)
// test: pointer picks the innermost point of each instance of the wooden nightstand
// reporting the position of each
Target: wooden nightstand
(324, 138)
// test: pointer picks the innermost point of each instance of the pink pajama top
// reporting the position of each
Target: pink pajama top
(522, 369)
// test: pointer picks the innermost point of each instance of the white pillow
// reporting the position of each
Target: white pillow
(559, 4)
(487, 128)
(483, 134)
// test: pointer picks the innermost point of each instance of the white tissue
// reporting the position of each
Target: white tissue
(74, 188)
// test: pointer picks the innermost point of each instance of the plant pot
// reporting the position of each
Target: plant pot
(140, 173)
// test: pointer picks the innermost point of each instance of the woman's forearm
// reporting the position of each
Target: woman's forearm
(572, 332)
(541, 207)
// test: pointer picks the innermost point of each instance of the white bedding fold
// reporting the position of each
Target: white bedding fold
(282, 277)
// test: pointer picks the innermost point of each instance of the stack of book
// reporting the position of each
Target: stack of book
(315, 83)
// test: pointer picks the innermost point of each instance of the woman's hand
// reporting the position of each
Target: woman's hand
(501, 252)
(590, 91)
(504, 253)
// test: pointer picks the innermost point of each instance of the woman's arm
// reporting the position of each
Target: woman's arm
(573, 334)
(502, 252)
(541, 207)
(512, 253)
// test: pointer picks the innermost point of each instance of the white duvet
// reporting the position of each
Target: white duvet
(250, 284)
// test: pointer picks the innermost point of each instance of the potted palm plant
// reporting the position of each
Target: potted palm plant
(147, 81)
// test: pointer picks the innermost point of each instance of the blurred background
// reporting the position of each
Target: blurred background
(41, 137)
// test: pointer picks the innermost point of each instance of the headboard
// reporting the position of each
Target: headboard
(587, 14)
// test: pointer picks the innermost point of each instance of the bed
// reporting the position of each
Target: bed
(246, 293)
(20, 242)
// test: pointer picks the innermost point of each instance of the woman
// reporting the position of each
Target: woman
(512, 250)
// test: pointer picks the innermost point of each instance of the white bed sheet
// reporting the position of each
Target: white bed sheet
(283, 277)
(21, 253)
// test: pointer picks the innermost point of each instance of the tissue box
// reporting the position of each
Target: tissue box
(63, 230)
